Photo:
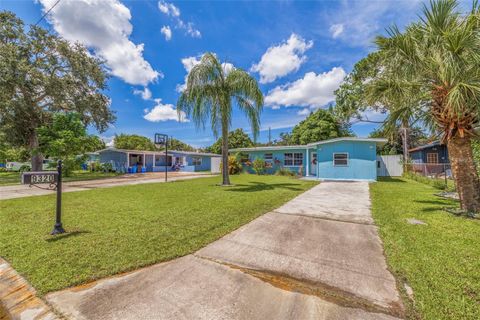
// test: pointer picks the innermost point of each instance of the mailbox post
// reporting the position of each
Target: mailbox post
(58, 228)
(54, 181)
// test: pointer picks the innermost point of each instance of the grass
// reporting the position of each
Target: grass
(440, 260)
(11, 178)
(438, 183)
(124, 228)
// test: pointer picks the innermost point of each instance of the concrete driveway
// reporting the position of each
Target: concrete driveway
(20, 191)
(317, 257)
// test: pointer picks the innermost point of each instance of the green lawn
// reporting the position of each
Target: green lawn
(440, 260)
(123, 228)
(10, 178)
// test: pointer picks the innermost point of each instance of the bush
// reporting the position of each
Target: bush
(234, 165)
(259, 166)
(284, 172)
(106, 167)
(25, 168)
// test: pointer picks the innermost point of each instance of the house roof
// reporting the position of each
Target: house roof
(312, 145)
(170, 152)
(425, 146)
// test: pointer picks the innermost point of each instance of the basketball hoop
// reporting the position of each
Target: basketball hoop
(161, 140)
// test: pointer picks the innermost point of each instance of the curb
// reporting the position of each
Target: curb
(18, 299)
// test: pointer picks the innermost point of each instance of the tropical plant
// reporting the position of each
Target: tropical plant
(259, 166)
(211, 92)
(236, 139)
(42, 74)
(432, 70)
(234, 165)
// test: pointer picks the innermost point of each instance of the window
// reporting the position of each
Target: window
(268, 156)
(340, 159)
(197, 161)
(432, 157)
(293, 159)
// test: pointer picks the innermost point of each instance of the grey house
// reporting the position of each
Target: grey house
(156, 161)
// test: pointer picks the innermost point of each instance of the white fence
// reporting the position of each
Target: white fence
(389, 166)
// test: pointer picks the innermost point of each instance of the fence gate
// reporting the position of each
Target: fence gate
(389, 166)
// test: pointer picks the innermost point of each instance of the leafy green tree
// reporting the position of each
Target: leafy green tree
(432, 70)
(66, 138)
(319, 125)
(175, 144)
(11, 153)
(236, 139)
(133, 142)
(353, 104)
(416, 137)
(212, 91)
(95, 144)
(285, 139)
(42, 74)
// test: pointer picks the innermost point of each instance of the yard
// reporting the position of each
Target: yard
(10, 178)
(439, 260)
(124, 228)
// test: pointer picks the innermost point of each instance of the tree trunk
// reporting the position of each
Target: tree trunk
(37, 157)
(404, 134)
(464, 173)
(225, 177)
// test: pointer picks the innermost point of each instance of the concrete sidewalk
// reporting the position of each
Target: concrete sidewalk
(316, 257)
(20, 191)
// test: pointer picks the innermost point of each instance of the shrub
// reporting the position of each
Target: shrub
(25, 168)
(259, 166)
(284, 172)
(234, 166)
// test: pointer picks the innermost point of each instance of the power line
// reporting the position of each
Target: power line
(47, 12)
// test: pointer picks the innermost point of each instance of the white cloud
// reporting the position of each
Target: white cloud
(190, 62)
(282, 59)
(171, 10)
(304, 112)
(313, 90)
(168, 8)
(108, 140)
(336, 30)
(146, 94)
(167, 32)
(164, 112)
(104, 26)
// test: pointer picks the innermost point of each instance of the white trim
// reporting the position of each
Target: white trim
(293, 159)
(341, 165)
(307, 170)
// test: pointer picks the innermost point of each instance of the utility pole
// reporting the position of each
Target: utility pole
(269, 136)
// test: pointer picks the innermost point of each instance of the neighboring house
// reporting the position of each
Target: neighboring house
(430, 160)
(155, 161)
(433, 153)
(335, 159)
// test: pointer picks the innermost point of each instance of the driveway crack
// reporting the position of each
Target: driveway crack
(321, 290)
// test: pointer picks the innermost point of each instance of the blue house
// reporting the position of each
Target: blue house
(156, 161)
(433, 153)
(345, 158)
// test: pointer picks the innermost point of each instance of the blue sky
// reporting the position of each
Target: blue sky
(298, 50)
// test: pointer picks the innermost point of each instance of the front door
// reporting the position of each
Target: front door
(313, 162)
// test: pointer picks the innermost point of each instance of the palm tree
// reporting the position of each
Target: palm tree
(212, 90)
(433, 67)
